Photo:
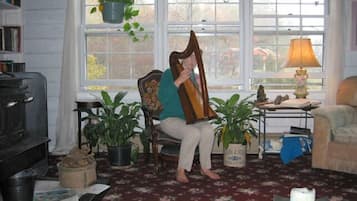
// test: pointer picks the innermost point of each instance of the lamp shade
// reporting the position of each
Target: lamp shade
(301, 54)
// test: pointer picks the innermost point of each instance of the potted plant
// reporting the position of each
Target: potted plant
(117, 11)
(117, 123)
(235, 127)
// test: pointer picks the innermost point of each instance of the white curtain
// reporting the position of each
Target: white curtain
(335, 52)
(66, 126)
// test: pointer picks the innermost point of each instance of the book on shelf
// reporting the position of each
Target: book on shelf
(299, 130)
(10, 66)
(12, 38)
(16, 2)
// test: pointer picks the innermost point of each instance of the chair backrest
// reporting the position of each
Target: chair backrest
(347, 92)
(148, 88)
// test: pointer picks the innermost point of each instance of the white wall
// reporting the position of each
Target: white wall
(43, 46)
(350, 56)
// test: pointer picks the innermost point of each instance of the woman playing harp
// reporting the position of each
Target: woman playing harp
(173, 122)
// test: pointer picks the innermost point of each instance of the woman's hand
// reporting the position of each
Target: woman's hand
(184, 75)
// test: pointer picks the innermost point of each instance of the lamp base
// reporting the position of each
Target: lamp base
(299, 94)
(301, 78)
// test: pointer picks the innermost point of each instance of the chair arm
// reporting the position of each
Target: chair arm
(337, 115)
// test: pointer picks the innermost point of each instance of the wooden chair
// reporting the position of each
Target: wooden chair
(148, 88)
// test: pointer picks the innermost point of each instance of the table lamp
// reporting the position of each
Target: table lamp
(301, 55)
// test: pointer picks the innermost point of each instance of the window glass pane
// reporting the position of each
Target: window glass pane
(96, 67)
(312, 9)
(178, 12)
(123, 66)
(289, 22)
(264, 59)
(313, 1)
(96, 44)
(120, 66)
(288, 9)
(313, 24)
(264, 9)
(227, 12)
(93, 18)
(265, 22)
(146, 12)
(288, 1)
(203, 13)
(264, 1)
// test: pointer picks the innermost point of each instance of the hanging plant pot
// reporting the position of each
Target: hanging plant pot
(113, 12)
(235, 155)
(119, 155)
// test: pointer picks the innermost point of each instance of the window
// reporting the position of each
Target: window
(244, 43)
(217, 26)
(112, 61)
(275, 22)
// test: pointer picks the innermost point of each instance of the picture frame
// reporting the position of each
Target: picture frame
(354, 25)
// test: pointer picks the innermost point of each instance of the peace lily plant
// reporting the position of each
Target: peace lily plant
(116, 124)
(235, 120)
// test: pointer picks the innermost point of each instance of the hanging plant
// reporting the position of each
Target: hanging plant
(117, 11)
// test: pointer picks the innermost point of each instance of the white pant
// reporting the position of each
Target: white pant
(191, 135)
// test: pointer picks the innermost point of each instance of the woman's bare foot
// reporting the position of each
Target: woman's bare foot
(181, 176)
(209, 173)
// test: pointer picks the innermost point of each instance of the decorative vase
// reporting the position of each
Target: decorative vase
(119, 155)
(235, 155)
(113, 12)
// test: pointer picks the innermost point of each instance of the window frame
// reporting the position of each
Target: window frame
(160, 48)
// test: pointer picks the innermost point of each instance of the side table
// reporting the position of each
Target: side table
(83, 106)
(270, 111)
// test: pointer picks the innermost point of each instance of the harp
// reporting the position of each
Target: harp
(194, 102)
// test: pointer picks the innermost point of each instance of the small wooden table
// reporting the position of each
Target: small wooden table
(83, 106)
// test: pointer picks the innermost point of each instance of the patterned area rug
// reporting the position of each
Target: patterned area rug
(259, 180)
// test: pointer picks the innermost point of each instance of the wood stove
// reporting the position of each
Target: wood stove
(23, 124)
(13, 97)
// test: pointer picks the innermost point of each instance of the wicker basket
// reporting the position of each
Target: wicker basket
(78, 177)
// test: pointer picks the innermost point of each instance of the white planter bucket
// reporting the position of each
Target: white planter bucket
(235, 155)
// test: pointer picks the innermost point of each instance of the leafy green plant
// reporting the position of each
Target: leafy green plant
(130, 27)
(117, 121)
(234, 121)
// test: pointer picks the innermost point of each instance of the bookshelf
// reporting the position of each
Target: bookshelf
(11, 55)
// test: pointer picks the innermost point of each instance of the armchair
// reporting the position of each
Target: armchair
(335, 131)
